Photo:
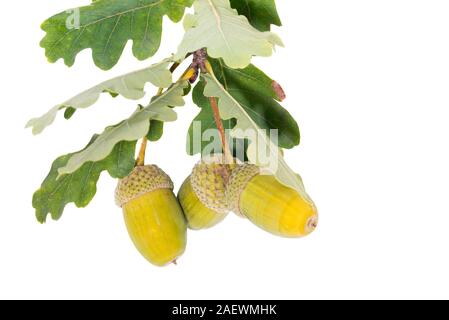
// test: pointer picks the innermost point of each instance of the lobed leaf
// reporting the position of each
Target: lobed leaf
(225, 34)
(254, 91)
(260, 13)
(131, 129)
(130, 86)
(80, 186)
(105, 26)
(157, 127)
(231, 108)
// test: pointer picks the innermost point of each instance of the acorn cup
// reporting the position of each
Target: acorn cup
(203, 194)
(152, 214)
(269, 204)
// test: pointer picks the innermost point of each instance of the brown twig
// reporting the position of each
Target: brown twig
(201, 62)
(224, 142)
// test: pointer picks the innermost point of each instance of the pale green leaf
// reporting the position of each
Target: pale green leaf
(247, 128)
(130, 86)
(134, 128)
(225, 34)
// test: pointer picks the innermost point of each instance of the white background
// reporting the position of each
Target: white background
(368, 82)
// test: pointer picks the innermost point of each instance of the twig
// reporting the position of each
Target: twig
(200, 63)
(224, 142)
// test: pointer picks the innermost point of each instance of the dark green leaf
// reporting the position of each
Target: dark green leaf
(105, 26)
(69, 112)
(156, 130)
(80, 187)
(253, 89)
(260, 13)
(187, 89)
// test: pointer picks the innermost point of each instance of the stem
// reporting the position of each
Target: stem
(141, 158)
(224, 142)
(200, 57)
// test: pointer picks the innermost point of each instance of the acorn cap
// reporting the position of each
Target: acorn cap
(239, 179)
(209, 178)
(142, 180)
(197, 214)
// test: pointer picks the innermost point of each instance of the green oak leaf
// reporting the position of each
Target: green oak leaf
(80, 186)
(156, 130)
(247, 128)
(253, 90)
(105, 26)
(260, 13)
(157, 127)
(69, 112)
(130, 86)
(131, 129)
(225, 34)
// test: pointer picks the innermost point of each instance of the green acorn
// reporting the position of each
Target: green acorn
(203, 194)
(152, 214)
(269, 204)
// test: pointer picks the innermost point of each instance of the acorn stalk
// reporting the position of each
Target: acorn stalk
(152, 214)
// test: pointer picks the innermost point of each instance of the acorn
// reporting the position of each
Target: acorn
(269, 204)
(203, 194)
(152, 214)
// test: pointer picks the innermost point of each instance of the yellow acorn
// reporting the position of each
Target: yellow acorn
(203, 194)
(153, 216)
(269, 204)
(197, 214)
